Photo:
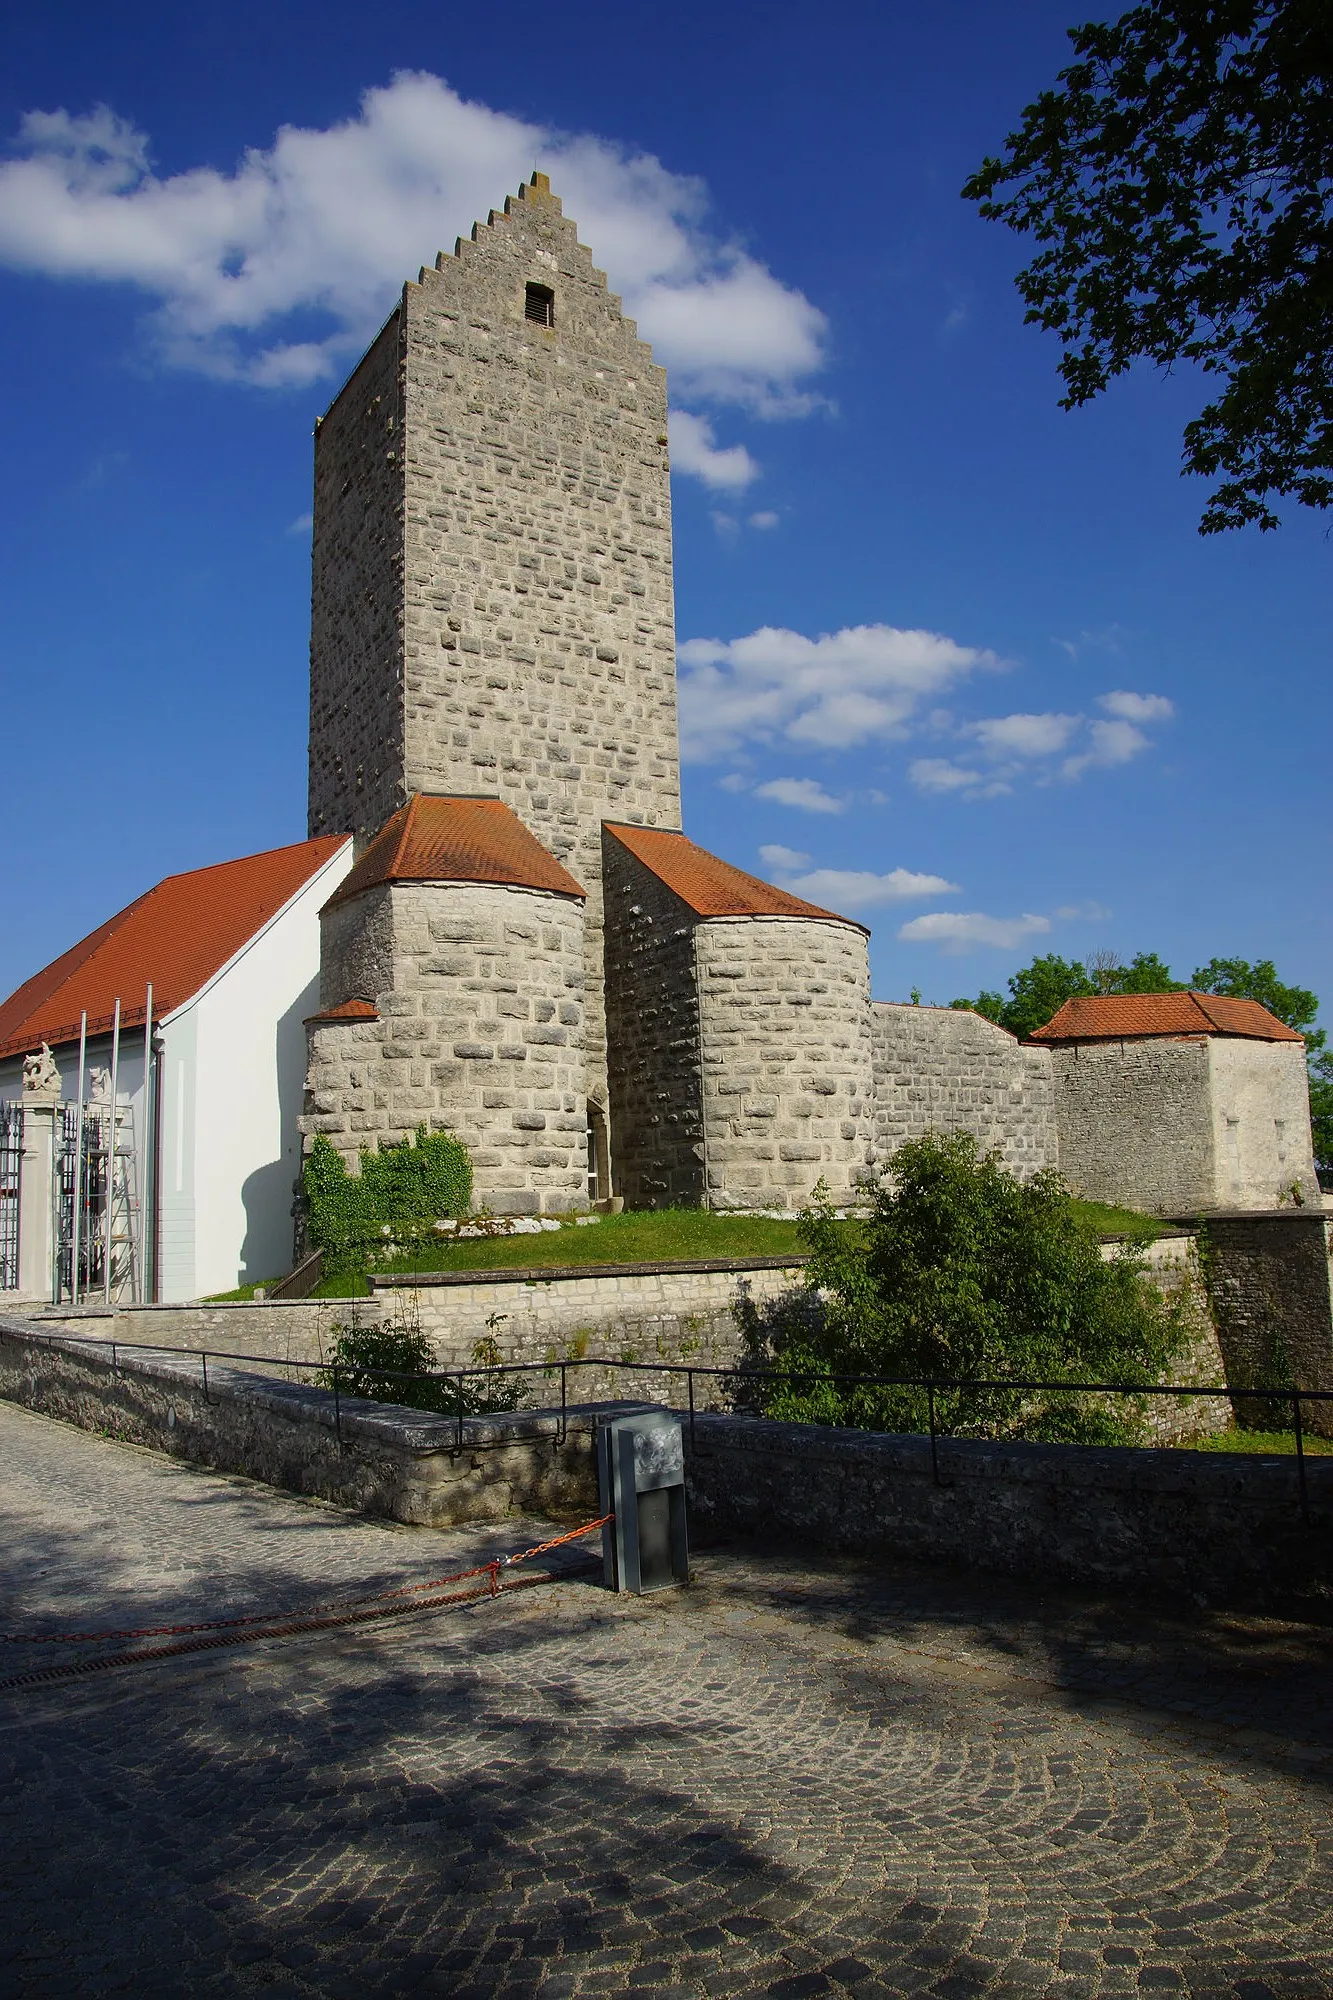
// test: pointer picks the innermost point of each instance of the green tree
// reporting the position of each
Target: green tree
(964, 1272)
(1178, 183)
(1039, 990)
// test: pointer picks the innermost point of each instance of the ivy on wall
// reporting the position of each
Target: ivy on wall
(401, 1192)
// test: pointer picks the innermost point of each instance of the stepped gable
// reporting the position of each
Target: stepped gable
(1113, 1017)
(178, 935)
(438, 839)
(711, 887)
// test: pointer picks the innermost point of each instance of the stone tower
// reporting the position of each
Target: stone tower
(492, 595)
(493, 717)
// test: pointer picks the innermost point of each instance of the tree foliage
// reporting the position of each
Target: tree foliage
(964, 1272)
(1178, 183)
(1039, 990)
(393, 1361)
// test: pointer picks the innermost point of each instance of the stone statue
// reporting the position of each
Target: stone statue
(41, 1078)
(99, 1085)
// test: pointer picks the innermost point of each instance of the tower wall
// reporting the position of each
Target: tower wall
(480, 1031)
(785, 1043)
(492, 584)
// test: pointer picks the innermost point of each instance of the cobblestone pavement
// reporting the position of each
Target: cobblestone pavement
(794, 1778)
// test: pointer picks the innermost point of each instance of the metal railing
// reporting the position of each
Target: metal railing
(336, 1374)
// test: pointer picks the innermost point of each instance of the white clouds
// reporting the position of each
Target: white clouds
(806, 794)
(1027, 746)
(1137, 707)
(328, 222)
(693, 450)
(859, 889)
(1024, 735)
(864, 682)
(785, 858)
(958, 931)
(765, 519)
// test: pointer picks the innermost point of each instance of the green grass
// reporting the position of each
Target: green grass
(652, 1236)
(243, 1294)
(1259, 1441)
(1108, 1221)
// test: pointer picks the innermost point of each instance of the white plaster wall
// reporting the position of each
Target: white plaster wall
(249, 1080)
(1261, 1122)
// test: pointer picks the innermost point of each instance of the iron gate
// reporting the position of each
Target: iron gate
(11, 1157)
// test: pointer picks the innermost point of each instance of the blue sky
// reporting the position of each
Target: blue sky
(953, 660)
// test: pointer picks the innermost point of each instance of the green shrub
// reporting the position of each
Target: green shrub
(963, 1272)
(401, 1192)
(369, 1361)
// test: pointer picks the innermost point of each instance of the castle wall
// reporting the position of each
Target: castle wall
(940, 1069)
(657, 1136)
(1136, 1122)
(481, 1031)
(1261, 1122)
(785, 1042)
(356, 612)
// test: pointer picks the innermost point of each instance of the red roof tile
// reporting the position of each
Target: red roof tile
(1116, 1016)
(434, 839)
(713, 888)
(346, 1010)
(177, 935)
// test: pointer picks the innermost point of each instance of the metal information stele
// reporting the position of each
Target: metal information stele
(641, 1480)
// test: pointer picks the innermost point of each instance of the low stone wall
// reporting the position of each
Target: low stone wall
(1269, 1281)
(371, 1457)
(628, 1313)
(268, 1329)
(1206, 1527)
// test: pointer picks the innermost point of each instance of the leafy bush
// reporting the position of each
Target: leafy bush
(401, 1192)
(963, 1272)
(361, 1355)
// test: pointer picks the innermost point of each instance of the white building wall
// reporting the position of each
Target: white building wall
(231, 1139)
(1262, 1143)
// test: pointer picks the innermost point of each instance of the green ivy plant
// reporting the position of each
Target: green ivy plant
(401, 1192)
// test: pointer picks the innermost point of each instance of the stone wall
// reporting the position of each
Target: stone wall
(941, 1069)
(657, 1132)
(1199, 1526)
(372, 1457)
(784, 1037)
(1136, 1124)
(617, 1316)
(356, 626)
(1268, 1281)
(481, 1031)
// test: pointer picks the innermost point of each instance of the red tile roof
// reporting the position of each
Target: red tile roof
(713, 888)
(1115, 1016)
(434, 839)
(177, 935)
(346, 1010)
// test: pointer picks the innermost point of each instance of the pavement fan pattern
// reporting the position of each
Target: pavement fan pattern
(797, 1777)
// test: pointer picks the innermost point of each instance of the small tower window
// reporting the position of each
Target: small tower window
(539, 305)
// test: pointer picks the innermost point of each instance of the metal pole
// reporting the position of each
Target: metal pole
(1300, 1457)
(141, 1164)
(76, 1227)
(111, 1158)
